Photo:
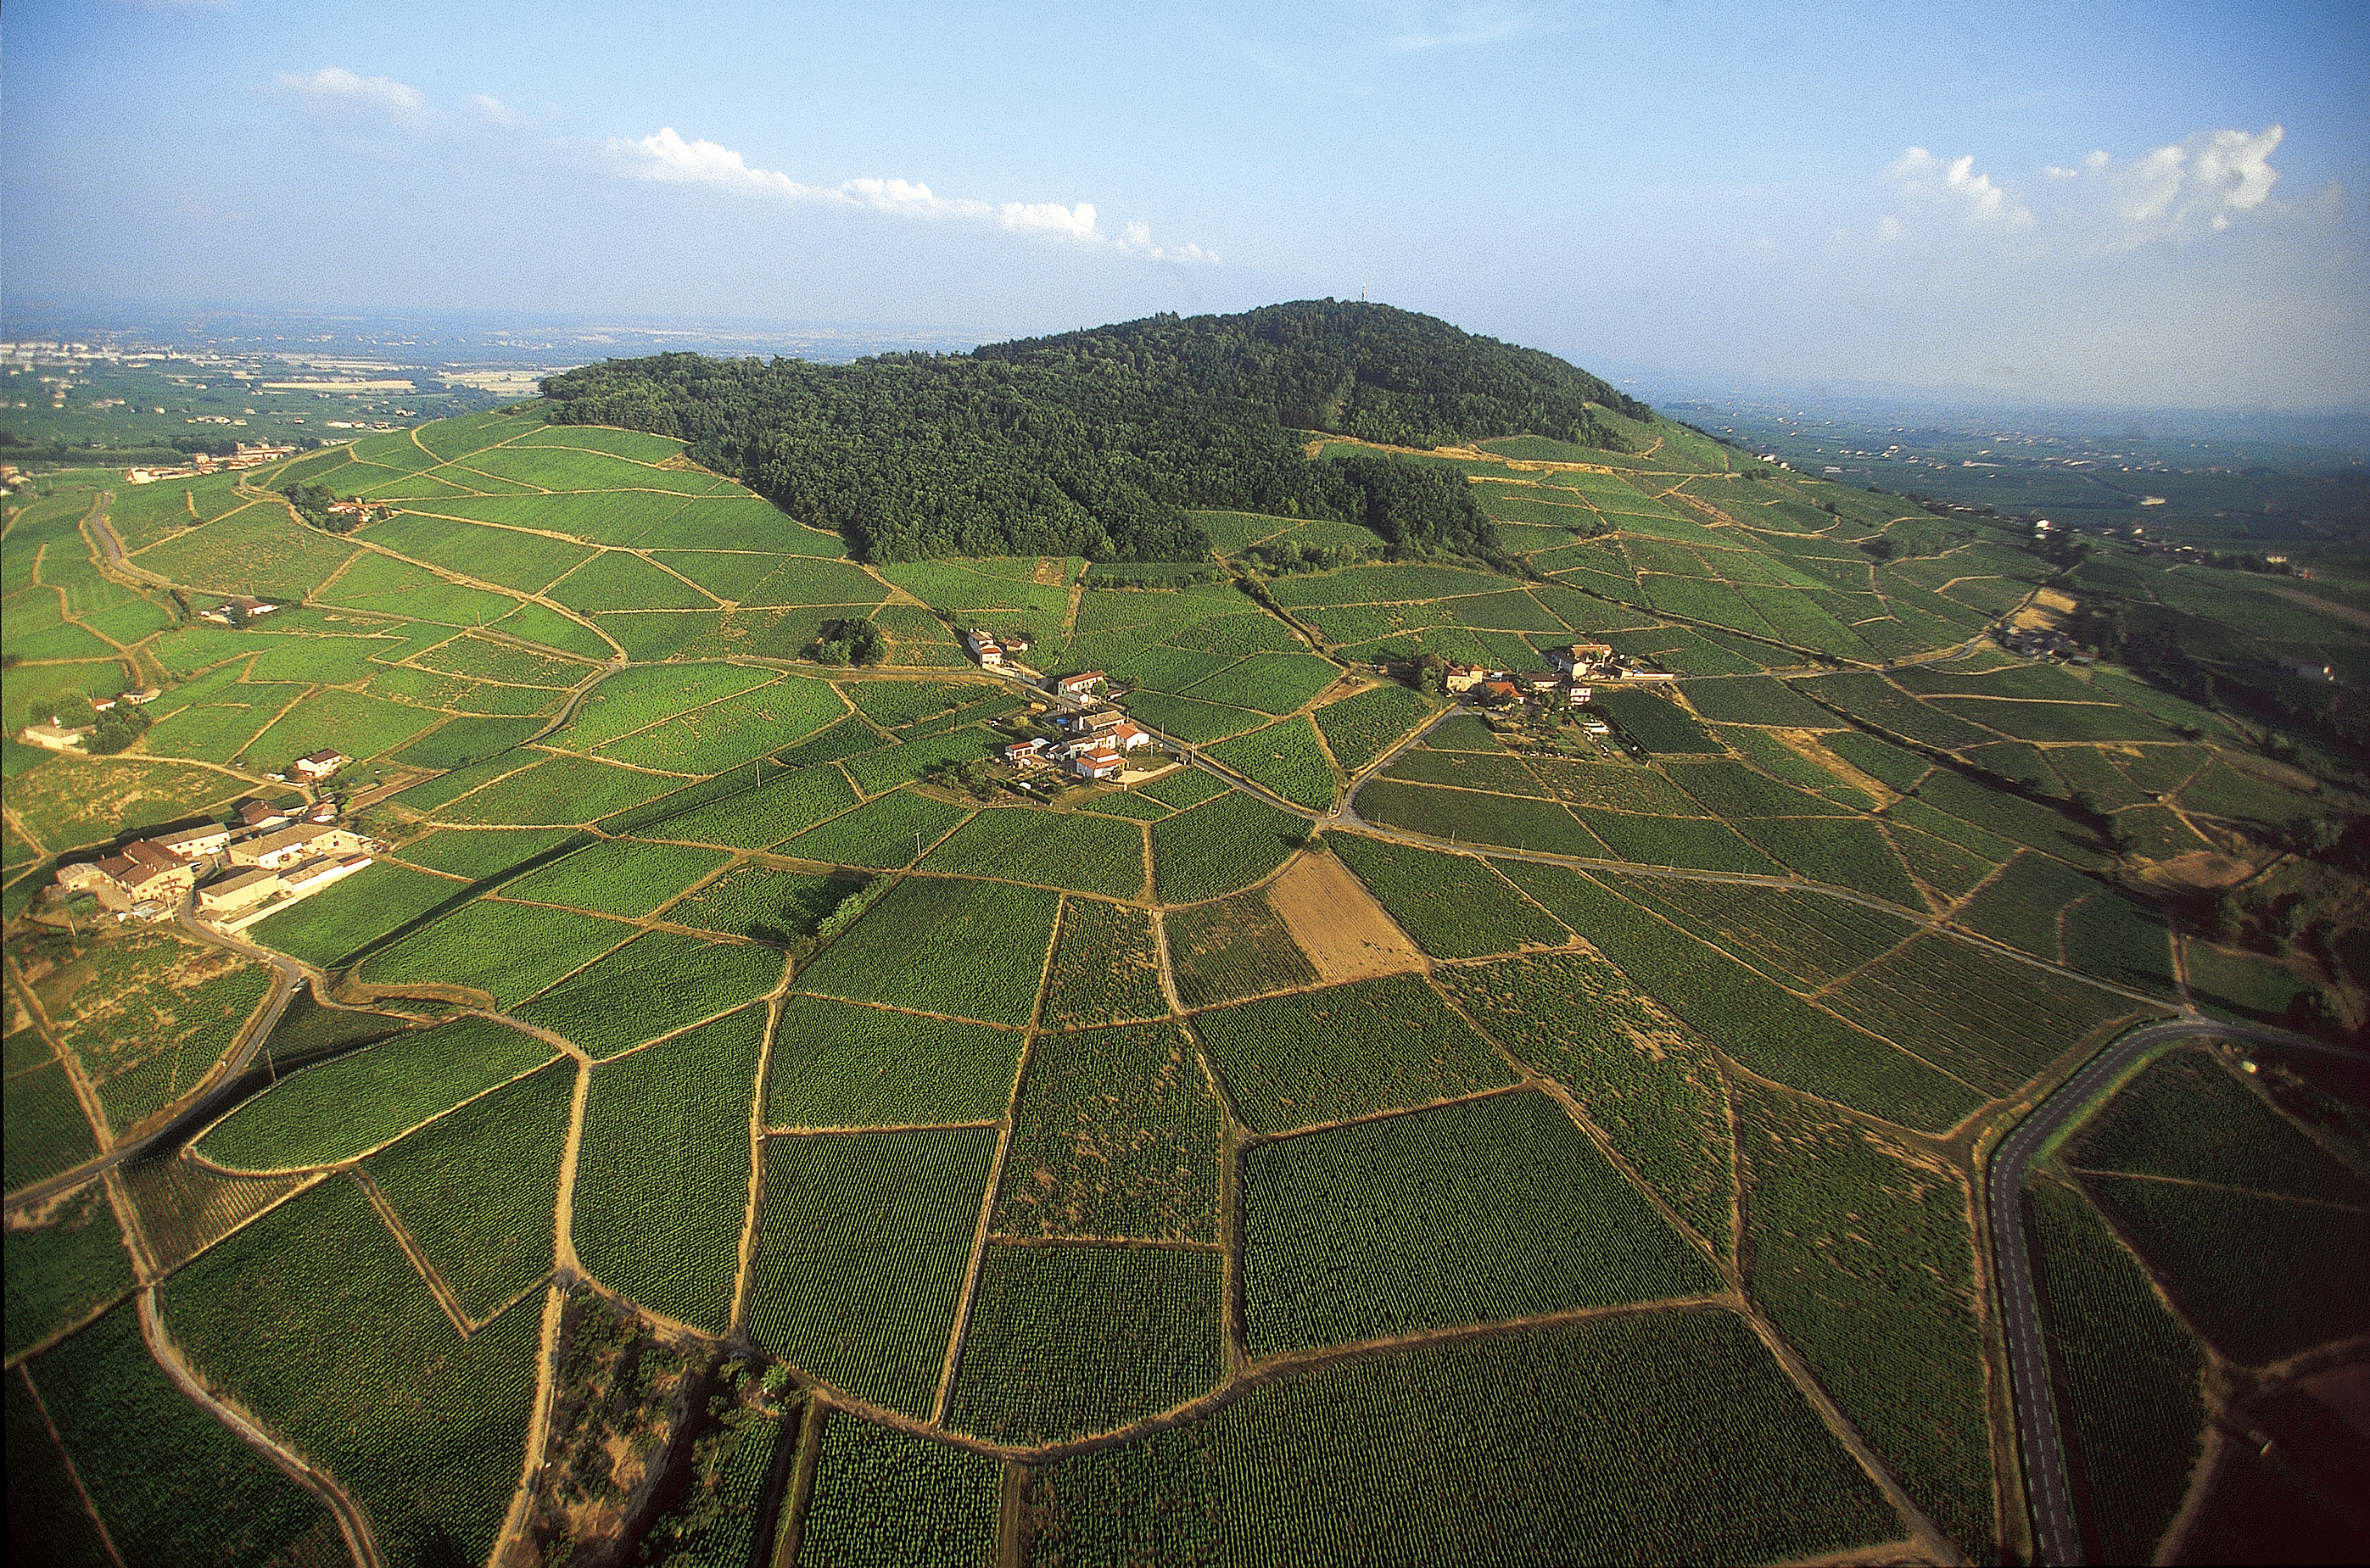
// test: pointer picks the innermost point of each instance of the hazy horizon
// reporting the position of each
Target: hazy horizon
(2111, 208)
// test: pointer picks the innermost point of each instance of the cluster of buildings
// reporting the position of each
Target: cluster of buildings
(243, 455)
(237, 609)
(2042, 642)
(991, 651)
(1579, 668)
(266, 854)
(1094, 746)
(56, 737)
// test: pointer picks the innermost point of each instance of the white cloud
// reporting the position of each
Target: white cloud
(495, 112)
(2173, 194)
(1888, 229)
(1424, 28)
(1919, 175)
(334, 88)
(667, 156)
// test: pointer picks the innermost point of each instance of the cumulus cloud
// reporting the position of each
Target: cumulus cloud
(668, 157)
(495, 112)
(2181, 192)
(1919, 177)
(335, 89)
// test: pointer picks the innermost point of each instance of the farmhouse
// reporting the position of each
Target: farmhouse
(320, 765)
(1463, 677)
(258, 815)
(1098, 721)
(190, 844)
(1577, 657)
(1027, 753)
(55, 737)
(313, 879)
(143, 871)
(1080, 685)
(1098, 763)
(243, 891)
(238, 607)
(983, 648)
(290, 845)
(1497, 691)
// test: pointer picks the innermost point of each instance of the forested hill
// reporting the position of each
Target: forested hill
(1098, 442)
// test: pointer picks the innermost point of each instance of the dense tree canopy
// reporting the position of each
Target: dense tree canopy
(1095, 443)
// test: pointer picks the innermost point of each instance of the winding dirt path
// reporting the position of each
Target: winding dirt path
(354, 1523)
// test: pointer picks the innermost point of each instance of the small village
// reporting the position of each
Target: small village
(265, 857)
(244, 454)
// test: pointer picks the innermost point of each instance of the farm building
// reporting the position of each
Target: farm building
(235, 608)
(983, 648)
(243, 891)
(286, 847)
(55, 737)
(1576, 657)
(1099, 763)
(320, 765)
(190, 844)
(1025, 753)
(258, 815)
(1459, 678)
(1082, 684)
(313, 879)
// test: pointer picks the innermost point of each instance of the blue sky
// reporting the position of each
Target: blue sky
(2147, 205)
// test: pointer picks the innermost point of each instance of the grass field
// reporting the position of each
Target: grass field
(1115, 1135)
(1314, 1057)
(315, 1321)
(883, 1217)
(1552, 1446)
(1074, 851)
(656, 983)
(882, 1498)
(339, 1109)
(1495, 1209)
(839, 1065)
(947, 945)
(1860, 1251)
(662, 1181)
(503, 950)
(2126, 1369)
(478, 1188)
(1069, 1341)
(1106, 967)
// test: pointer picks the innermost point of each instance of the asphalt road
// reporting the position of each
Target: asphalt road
(209, 1104)
(2059, 1539)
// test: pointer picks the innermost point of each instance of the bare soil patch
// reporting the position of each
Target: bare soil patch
(1337, 923)
(2204, 868)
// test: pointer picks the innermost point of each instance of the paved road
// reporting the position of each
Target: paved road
(210, 1100)
(2060, 1538)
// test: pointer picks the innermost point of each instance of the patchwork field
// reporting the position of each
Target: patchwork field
(1317, 1121)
